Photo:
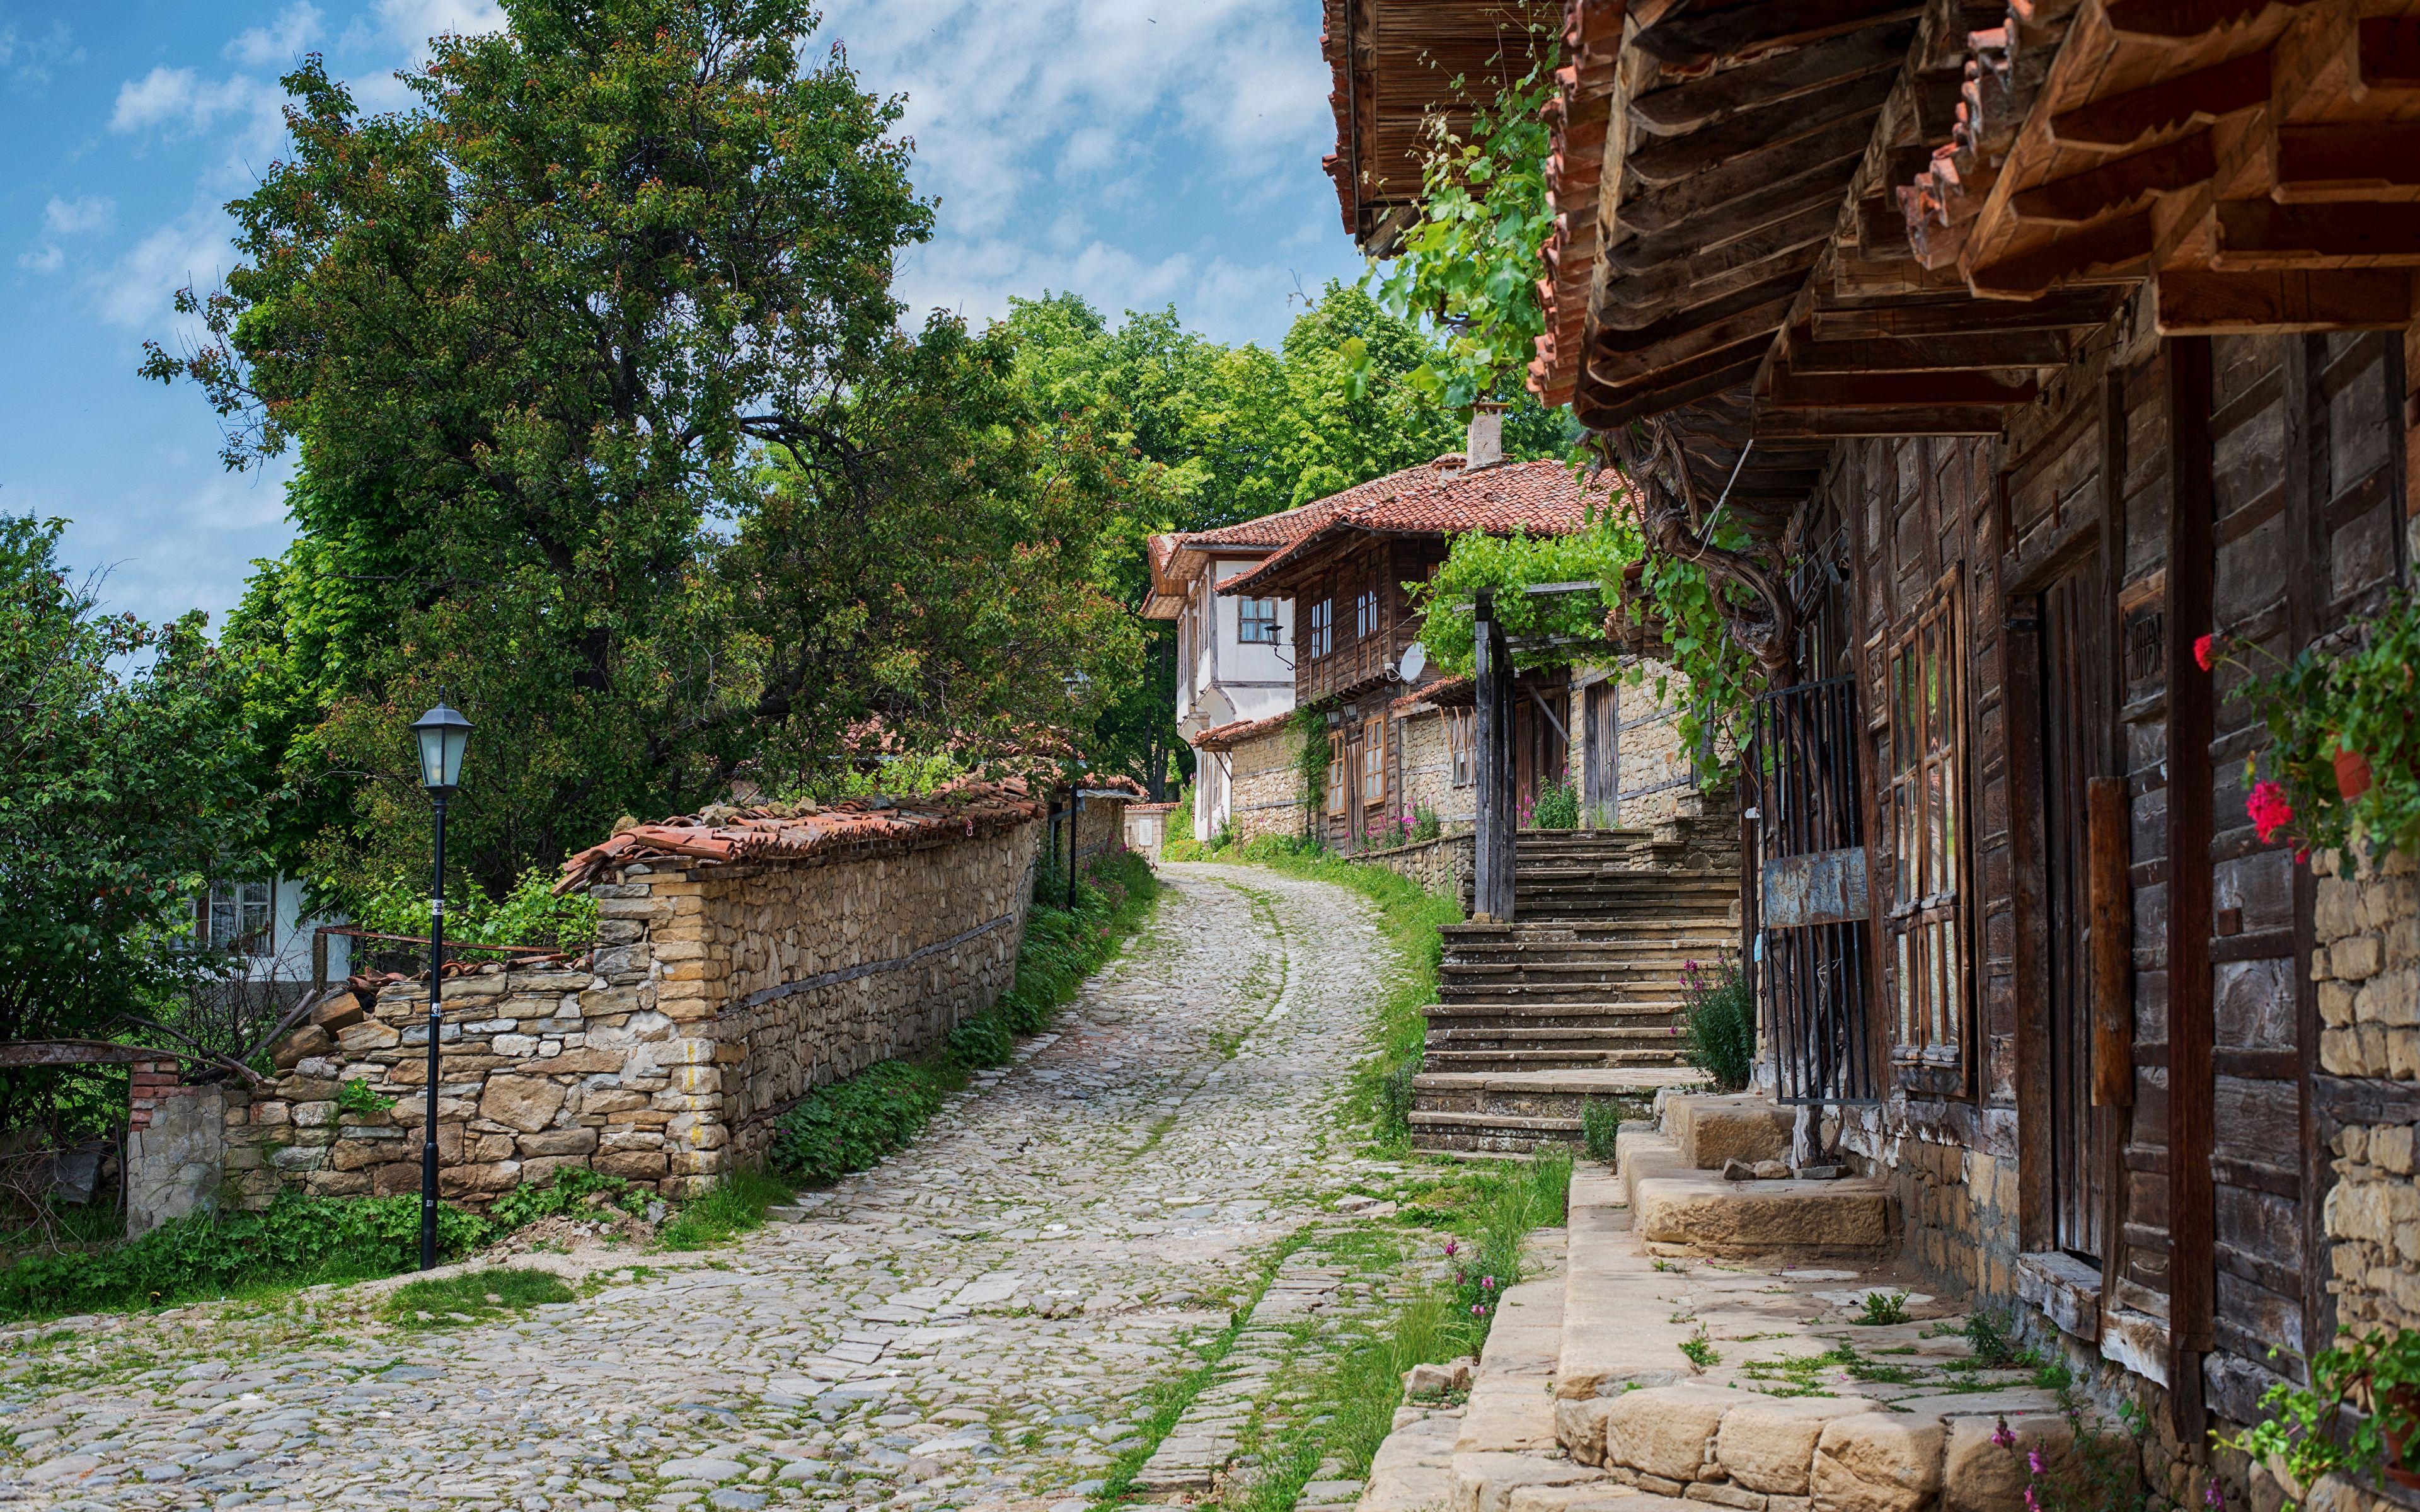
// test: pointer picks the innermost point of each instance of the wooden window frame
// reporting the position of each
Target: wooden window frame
(235, 901)
(1927, 956)
(1365, 614)
(1322, 636)
(1336, 758)
(1256, 622)
(1374, 761)
(1461, 771)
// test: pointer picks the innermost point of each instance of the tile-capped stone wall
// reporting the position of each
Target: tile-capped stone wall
(718, 994)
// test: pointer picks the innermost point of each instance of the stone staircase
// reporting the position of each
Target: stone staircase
(1627, 1374)
(1579, 998)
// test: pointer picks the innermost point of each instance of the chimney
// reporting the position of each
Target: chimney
(1485, 448)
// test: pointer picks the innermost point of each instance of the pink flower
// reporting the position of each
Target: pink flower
(2032, 1461)
(2213, 1497)
(1486, 1283)
(2202, 651)
(2003, 1437)
(1478, 1309)
(1452, 1247)
(2269, 809)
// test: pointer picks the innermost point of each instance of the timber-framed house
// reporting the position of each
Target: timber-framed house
(2036, 341)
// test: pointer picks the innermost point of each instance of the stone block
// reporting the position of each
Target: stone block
(315, 1115)
(2356, 957)
(1878, 1462)
(337, 1183)
(2391, 997)
(609, 1100)
(699, 1162)
(1768, 1443)
(1579, 1427)
(697, 1081)
(338, 1011)
(1664, 1431)
(303, 1044)
(557, 1142)
(355, 1151)
(1712, 1216)
(582, 1062)
(478, 1181)
(527, 1104)
(698, 1130)
(631, 1139)
(396, 1177)
(1980, 1476)
(631, 1165)
(366, 1036)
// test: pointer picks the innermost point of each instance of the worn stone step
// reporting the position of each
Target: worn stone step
(1534, 1037)
(1562, 1059)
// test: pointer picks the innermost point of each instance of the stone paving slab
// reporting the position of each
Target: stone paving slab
(976, 1323)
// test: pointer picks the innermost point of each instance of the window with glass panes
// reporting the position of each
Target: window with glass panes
(1322, 636)
(1374, 761)
(238, 917)
(1458, 723)
(1925, 928)
(1257, 622)
(1336, 772)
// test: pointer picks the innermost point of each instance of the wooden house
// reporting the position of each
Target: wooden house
(2034, 340)
(1347, 579)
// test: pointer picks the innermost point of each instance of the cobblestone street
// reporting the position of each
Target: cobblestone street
(983, 1320)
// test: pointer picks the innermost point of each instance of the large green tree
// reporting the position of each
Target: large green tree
(1232, 433)
(124, 787)
(606, 425)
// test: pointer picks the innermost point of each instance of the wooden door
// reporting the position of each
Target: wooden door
(2075, 749)
(1602, 794)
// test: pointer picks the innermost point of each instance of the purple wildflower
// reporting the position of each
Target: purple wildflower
(2213, 1497)
(2032, 1461)
(2003, 1436)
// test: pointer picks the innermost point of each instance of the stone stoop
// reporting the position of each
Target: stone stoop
(1880, 1418)
(1497, 1452)
(1512, 1112)
(1681, 1204)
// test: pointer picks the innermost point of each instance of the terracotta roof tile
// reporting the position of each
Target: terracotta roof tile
(1440, 498)
(807, 832)
(1224, 736)
(1445, 691)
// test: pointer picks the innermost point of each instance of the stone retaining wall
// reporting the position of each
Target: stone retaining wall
(2365, 959)
(718, 994)
(1265, 794)
(1440, 865)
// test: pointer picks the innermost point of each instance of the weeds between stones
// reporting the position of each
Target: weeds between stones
(1600, 1123)
(474, 1297)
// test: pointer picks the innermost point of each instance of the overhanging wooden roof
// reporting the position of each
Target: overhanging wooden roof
(1784, 221)
(1399, 63)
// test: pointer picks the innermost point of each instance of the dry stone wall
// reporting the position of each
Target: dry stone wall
(1266, 778)
(718, 994)
(2366, 961)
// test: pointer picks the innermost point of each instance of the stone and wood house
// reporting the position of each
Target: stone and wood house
(2031, 343)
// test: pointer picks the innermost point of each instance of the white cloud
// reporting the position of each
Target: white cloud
(72, 217)
(46, 259)
(28, 60)
(413, 22)
(137, 291)
(282, 40)
(178, 98)
(1006, 94)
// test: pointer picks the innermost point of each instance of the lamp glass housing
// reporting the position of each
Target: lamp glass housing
(442, 733)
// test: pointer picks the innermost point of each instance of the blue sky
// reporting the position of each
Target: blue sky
(1141, 152)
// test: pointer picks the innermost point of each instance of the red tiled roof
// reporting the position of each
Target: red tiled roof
(1117, 785)
(1440, 498)
(798, 832)
(1222, 736)
(1577, 117)
(1444, 690)
(1279, 529)
(1149, 808)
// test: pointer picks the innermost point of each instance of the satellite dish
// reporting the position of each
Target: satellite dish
(1416, 661)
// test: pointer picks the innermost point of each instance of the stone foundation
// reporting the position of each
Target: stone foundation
(719, 994)
(2365, 959)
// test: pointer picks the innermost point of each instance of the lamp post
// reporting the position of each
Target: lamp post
(441, 734)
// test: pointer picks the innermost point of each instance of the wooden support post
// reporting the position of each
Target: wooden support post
(1498, 819)
(2192, 1258)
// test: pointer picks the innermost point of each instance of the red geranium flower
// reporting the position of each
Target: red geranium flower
(2202, 648)
(2269, 809)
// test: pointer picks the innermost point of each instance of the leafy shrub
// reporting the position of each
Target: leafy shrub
(1600, 1123)
(1720, 1019)
(296, 1239)
(576, 1188)
(1425, 824)
(980, 1041)
(2327, 702)
(1557, 807)
(531, 914)
(731, 1207)
(359, 1099)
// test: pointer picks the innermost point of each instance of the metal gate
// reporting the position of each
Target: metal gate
(1812, 896)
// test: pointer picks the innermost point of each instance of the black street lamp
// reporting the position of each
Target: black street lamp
(441, 734)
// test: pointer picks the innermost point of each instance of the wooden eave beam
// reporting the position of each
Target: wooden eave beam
(1932, 354)
(1895, 390)
(1722, 224)
(1683, 371)
(1806, 163)
(2120, 184)
(1701, 102)
(2259, 235)
(1598, 414)
(1696, 39)
(2389, 52)
(1744, 258)
(2177, 20)
(2119, 250)
(1681, 340)
(2319, 164)
(2192, 302)
(2206, 94)
(1660, 162)
(1829, 424)
(2066, 310)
